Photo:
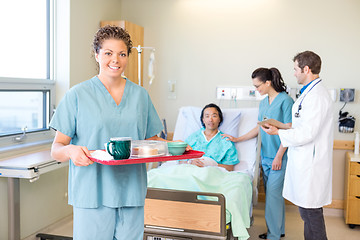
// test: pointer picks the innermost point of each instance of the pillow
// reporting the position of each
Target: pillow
(230, 124)
(247, 150)
(188, 122)
(192, 119)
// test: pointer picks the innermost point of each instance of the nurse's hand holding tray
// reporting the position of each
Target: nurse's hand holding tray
(119, 148)
(274, 123)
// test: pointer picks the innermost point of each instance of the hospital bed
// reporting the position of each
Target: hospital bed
(198, 215)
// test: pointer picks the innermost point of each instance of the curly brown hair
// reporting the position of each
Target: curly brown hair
(111, 32)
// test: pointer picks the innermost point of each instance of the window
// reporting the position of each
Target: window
(23, 111)
(25, 25)
(26, 74)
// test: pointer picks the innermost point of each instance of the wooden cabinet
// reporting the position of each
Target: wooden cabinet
(137, 37)
(352, 190)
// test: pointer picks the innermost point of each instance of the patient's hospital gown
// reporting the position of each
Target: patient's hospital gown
(218, 148)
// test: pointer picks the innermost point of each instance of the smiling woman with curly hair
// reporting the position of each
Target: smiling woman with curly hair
(108, 201)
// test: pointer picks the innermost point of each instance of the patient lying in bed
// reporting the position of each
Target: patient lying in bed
(194, 176)
(218, 151)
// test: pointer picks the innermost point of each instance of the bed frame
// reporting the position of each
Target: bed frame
(191, 217)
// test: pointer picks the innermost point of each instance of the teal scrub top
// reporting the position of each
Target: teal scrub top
(279, 109)
(218, 148)
(89, 115)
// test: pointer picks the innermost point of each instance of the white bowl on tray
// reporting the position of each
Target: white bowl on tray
(148, 148)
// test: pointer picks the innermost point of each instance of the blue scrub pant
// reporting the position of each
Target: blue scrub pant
(274, 201)
(125, 223)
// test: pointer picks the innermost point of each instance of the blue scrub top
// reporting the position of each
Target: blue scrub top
(89, 115)
(218, 148)
(280, 109)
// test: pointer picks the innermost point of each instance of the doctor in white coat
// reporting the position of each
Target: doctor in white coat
(308, 177)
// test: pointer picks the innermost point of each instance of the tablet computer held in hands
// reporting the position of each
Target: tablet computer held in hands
(274, 123)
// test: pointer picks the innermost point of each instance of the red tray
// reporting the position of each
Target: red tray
(187, 155)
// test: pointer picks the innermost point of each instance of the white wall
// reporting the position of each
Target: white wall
(202, 44)
(75, 61)
(85, 21)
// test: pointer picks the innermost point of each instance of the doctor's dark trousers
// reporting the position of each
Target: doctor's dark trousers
(314, 224)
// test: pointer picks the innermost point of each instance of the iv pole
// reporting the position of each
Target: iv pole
(139, 49)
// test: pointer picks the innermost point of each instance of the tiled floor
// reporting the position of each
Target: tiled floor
(335, 225)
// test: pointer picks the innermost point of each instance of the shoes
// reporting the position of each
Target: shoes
(264, 236)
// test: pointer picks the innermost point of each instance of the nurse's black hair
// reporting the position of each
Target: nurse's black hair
(270, 74)
(211, 105)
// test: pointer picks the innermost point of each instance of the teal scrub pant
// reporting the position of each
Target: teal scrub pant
(274, 201)
(124, 223)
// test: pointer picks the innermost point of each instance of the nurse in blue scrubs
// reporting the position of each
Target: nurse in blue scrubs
(276, 105)
(108, 201)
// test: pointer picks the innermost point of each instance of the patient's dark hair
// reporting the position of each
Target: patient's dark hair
(270, 74)
(211, 105)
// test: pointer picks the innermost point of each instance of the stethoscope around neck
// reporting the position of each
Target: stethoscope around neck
(297, 114)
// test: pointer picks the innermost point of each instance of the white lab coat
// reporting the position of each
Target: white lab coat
(308, 177)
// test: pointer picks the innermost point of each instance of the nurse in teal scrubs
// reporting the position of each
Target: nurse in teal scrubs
(108, 201)
(276, 105)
